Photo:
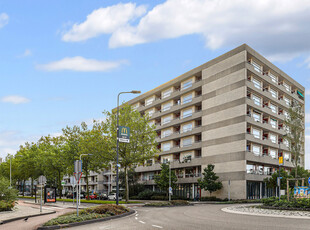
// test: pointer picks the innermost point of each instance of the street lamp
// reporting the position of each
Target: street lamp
(11, 168)
(79, 186)
(117, 141)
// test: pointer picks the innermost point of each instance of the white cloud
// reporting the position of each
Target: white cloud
(81, 64)
(26, 53)
(15, 99)
(278, 28)
(4, 19)
(307, 117)
(104, 21)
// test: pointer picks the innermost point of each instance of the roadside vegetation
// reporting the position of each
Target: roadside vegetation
(168, 203)
(97, 212)
(8, 196)
(283, 203)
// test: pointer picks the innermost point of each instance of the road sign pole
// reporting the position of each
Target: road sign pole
(169, 182)
(41, 200)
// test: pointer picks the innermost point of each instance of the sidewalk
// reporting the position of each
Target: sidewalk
(22, 211)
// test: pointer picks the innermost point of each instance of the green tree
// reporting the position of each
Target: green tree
(271, 182)
(142, 145)
(294, 124)
(209, 181)
(162, 179)
(8, 195)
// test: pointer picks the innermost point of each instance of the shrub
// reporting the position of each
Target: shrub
(179, 202)
(159, 204)
(210, 198)
(293, 203)
(147, 194)
(110, 209)
(8, 195)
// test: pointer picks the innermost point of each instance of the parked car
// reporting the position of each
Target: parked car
(92, 197)
(112, 196)
(102, 196)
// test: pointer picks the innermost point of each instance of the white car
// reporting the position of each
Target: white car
(112, 196)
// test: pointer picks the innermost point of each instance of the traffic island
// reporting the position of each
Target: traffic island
(87, 216)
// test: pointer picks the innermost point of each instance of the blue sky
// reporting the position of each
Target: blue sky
(64, 62)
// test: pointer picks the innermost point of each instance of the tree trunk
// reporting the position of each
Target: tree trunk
(59, 184)
(31, 188)
(23, 187)
(126, 184)
(296, 181)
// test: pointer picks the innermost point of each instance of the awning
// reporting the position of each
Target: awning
(300, 94)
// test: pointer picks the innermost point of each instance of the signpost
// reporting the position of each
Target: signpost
(63, 192)
(124, 134)
(309, 181)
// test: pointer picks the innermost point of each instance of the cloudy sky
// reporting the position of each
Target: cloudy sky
(63, 62)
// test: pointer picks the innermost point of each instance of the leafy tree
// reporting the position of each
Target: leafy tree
(162, 179)
(83, 140)
(301, 173)
(142, 145)
(294, 124)
(209, 181)
(134, 187)
(272, 183)
(8, 195)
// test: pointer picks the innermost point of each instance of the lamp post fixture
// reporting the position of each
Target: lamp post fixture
(117, 141)
(11, 168)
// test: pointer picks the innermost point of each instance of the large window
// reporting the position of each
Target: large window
(273, 108)
(257, 83)
(273, 78)
(167, 132)
(149, 101)
(167, 120)
(256, 133)
(273, 153)
(250, 169)
(256, 149)
(187, 127)
(257, 100)
(257, 116)
(151, 112)
(257, 66)
(274, 93)
(287, 101)
(167, 106)
(287, 87)
(167, 93)
(273, 123)
(273, 138)
(166, 146)
(187, 84)
(187, 113)
(287, 156)
(187, 99)
(187, 142)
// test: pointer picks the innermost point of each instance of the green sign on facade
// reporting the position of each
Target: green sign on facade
(123, 134)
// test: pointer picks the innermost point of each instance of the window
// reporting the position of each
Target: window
(273, 77)
(166, 146)
(256, 133)
(286, 143)
(286, 114)
(187, 127)
(256, 150)
(257, 100)
(273, 108)
(257, 116)
(151, 123)
(167, 120)
(286, 156)
(273, 123)
(273, 153)
(151, 112)
(167, 132)
(273, 138)
(187, 142)
(257, 83)
(287, 101)
(187, 84)
(187, 99)
(273, 93)
(149, 101)
(134, 107)
(250, 169)
(166, 160)
(187, 113)
(167, 106)
(257, 67)
(267, 170)
(287, 87)
(167, 93)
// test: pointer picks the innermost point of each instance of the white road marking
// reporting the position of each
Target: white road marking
(156, 226)
(137, 214)
(142, 222)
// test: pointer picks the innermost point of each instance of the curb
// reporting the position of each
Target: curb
(51, 205)
(86, 221)
(23, 217)
(262, 215)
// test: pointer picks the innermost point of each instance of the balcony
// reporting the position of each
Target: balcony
(264, 126)
(174, 135)
(264, 159)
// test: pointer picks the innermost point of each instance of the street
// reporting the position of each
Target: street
(205, 216)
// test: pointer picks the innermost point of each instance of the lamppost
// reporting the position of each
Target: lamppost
(117, 141)
(11, 168)
(79, 186)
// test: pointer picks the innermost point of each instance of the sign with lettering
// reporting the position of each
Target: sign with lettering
(123, 134)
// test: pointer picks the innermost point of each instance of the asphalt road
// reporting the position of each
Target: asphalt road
(204, 216)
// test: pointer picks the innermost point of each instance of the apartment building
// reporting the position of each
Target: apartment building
(228, 112)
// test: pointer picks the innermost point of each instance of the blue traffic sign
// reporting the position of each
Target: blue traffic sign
(309, 180)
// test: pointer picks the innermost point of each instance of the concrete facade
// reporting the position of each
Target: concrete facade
(229, 112)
